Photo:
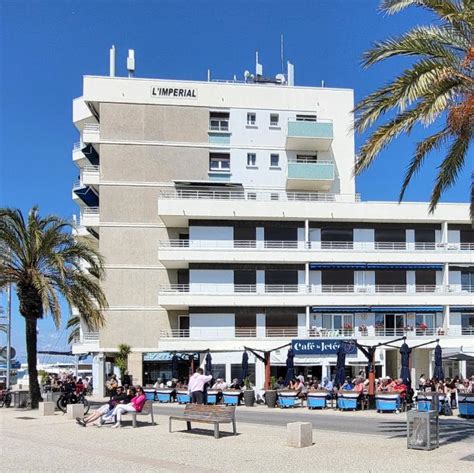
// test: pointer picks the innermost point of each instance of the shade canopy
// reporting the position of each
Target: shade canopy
(438, 359)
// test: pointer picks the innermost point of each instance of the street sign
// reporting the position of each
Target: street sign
(3, 353)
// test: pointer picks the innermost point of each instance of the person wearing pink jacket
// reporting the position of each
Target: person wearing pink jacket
(135, 405)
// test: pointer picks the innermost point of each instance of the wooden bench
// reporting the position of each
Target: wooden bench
(207, 414)
(146, 411)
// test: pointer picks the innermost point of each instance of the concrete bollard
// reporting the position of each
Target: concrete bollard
(46, 408)
(75, 410)
(299, 434)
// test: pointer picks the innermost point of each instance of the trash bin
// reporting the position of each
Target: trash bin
(20, 398)
(422, 430)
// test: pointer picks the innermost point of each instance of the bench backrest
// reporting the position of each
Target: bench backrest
(210, 411)
(147, 407)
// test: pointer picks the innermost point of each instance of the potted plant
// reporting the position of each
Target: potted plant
(271, 393)
(423, 327)
(363, 329)
(249, 393)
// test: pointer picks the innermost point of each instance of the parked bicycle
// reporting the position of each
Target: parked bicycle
(72, 398)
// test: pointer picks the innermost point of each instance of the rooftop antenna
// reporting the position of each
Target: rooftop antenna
(322, 83)
(258, 66)
(112, 61)
(281, 53)
(131, 63)
(208, 75)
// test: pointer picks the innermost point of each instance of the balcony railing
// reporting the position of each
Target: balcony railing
(277, 195)
(314, 332)
(226, 288)
(308, 245)
(87, 338)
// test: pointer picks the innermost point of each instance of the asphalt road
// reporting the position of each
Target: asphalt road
(388, 425)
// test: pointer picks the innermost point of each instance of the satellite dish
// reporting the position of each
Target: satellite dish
(3, 353)
(280, 78)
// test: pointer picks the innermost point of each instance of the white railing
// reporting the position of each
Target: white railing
(90, 168)
(314, 332)
(259, 196)
(227, 288)
(90, 211)
(78, 145)
(89, 337)
(92, 127)
(77, 184)
(307, 161)
(306, 245)
(310, 120)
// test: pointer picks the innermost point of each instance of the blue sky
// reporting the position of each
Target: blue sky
(47, 46)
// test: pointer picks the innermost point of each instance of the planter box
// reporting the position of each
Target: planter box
(387, 402)
(347, 400)
(287, 399)
(317, 400)
(231, 398)
(466, 404)
(212, 396)
(150, 394)
(164, 395)
(424, 402)
(183, 396)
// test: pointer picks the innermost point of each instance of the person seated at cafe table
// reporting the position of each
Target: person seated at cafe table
(281, 382)
(359, 385)
(220, 384)
(348, 385)
(400, 388)
(235, 384)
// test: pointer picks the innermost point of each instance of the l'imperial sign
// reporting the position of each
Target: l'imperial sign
(172, 92)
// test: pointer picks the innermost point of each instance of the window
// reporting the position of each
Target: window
(219, 121)
(338, 321)
(306, 118)
(274, 160)
(251, 118)
(274, 119)
(467, 281)
(219, 162)
(467, 323)
(307, 158)
(251, 159)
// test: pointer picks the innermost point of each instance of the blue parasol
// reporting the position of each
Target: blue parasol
(245, 366)
(340, 366)
(174, 366)
(405, 351)
(438, 359)
(208, 365)
(290, 367)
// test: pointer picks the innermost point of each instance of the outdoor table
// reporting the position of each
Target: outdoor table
(387, 402)
(183, 397)
(231, 397)
(164, 394)
(150, 394)
(466, 404)
(347, 400)
(212, 396)
(287, 398)
(424, 402)
(317, 399)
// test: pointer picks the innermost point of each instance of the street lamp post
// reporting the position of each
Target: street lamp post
(9, 333)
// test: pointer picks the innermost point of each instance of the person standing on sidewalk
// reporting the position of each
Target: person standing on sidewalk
(196, 386)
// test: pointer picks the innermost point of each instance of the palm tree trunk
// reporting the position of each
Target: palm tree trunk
(31, 347)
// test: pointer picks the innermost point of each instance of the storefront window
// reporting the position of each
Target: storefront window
(338, 321)
(236, 372)
(218, 371)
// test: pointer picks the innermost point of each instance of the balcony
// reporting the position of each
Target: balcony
(90, 217)
(309, 135)
(177, 296)
(307, 175)
(86, 343)
(177, 253)
(91, 133)
(90, 175)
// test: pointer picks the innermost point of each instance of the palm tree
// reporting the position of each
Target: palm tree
(438, 87)
(42, 259)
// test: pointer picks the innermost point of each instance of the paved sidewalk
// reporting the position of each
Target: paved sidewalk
(43, 444)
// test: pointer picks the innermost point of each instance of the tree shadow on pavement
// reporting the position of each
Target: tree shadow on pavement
(450, 430)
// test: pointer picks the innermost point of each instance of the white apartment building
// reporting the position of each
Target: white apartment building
(228, 218)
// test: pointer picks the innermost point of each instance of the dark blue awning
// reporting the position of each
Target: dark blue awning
(356, 309)
(437, 267)
(88, 196)
(461, 308)
(340, 309)
(409, 266)
(314, 266)
(407, 309)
